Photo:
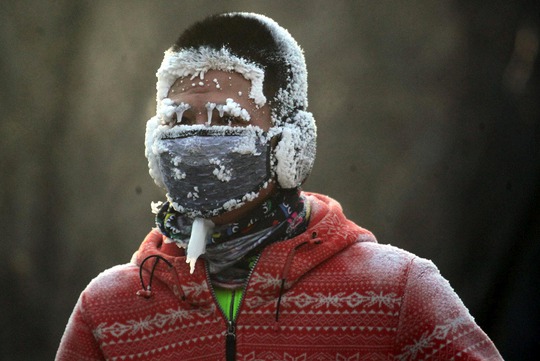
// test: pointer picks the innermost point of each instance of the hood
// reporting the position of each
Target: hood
(279, 267)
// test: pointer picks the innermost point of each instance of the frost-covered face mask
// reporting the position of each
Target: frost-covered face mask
(209, 171)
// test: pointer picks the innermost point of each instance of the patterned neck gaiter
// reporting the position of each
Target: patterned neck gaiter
(231, 249)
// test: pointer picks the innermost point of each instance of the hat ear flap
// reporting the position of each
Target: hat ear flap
(295, 151)
(151, 152)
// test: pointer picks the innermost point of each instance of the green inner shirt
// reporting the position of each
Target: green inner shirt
(229, 300)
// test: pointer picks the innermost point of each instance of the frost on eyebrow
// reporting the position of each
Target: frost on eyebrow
(233, 108)
(167, 108)
(230, 107)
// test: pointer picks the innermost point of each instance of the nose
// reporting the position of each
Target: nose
(194, 117)
(201, 118)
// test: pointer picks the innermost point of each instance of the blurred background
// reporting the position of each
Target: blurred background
(428, 121)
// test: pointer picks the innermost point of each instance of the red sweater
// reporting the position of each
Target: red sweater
(332, 293)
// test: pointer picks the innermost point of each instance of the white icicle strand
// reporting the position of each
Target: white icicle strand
(200, 230)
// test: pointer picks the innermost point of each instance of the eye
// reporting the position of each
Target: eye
(181, 115)
(180, 112)
(174, 120)
(228, 120)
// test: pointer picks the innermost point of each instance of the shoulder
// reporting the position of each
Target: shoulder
(114, 278)
(379, 260)
(377, 255)
(110, 287)
(383, 265)
(422, 289)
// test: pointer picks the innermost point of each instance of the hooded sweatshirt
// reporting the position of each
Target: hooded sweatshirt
(331, 293)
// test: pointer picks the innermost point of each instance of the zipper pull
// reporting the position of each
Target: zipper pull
(231, 342)
(231, 330)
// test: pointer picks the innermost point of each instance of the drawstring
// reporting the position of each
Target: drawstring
(146, 290)
(287, 267)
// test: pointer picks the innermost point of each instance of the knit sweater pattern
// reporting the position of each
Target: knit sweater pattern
(331, 293)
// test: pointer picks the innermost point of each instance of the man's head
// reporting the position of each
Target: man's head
(224, 52)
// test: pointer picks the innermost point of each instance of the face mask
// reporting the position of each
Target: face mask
(211, 171)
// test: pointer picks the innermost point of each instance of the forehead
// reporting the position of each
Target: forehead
(210, 82)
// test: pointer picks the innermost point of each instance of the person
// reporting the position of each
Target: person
(243, 264)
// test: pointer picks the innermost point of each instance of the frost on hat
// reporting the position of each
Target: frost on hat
(256, 47)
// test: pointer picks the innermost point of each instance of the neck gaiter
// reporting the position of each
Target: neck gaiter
(231, 248)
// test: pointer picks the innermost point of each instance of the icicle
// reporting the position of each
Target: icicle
(200, 230)
(221, 110)
(180, 109)
(209, 109)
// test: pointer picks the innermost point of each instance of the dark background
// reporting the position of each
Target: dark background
(428, 121)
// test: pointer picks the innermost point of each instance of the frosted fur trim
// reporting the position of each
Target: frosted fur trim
(295, 152)
(151, 136)
(196, 62)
